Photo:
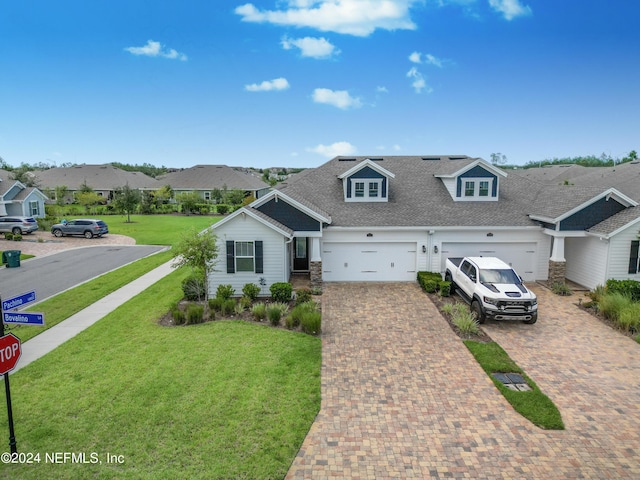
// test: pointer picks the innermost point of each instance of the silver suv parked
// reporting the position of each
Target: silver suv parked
(18, 225)
(88, 227)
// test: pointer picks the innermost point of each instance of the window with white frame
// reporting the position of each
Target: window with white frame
(477, 189)
(366, 190)
(207, 195)
(245, 257)
(34, 209)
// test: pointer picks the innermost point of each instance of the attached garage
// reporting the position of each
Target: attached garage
(369, 262)
(521, 256)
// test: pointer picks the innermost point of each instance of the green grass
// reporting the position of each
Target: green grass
(157, 229)
(533, 405)
(218, 400)
(62, 306)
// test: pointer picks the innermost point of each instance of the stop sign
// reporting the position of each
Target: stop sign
(10, 352)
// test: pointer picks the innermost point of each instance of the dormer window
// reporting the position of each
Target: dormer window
(477, 187)
(366, 182)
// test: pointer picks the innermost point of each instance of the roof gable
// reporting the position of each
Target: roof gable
(367, 163)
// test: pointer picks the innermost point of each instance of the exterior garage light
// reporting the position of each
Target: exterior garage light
(369, 234)
(424, 249)
(435, 249)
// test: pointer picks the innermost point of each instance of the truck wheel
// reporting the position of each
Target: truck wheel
(477, 309)
(448, 278)
(531, 322)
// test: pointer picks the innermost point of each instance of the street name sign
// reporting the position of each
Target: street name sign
(19, 300)
(20, 318)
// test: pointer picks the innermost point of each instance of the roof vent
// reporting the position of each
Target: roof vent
(458, 158)
(634, 163)
(346, 159)
(431, 158)
(377, 159)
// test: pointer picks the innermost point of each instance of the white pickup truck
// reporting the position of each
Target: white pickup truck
(493, 289)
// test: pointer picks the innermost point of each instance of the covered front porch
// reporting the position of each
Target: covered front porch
(304, 254)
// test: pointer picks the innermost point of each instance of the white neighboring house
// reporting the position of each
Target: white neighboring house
(384, 219)
(19, 200)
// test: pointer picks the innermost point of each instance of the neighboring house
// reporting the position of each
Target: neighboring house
(103, 179)
(203, 179)
(18, 199)
(384, 219)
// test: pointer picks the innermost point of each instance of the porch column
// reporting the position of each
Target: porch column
(315, 264)
(557, 262)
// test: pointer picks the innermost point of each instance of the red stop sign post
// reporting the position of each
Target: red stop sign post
(10, 352)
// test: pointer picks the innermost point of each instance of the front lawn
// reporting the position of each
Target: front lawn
(218, 400)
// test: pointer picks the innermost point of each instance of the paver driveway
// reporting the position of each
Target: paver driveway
(402, 397)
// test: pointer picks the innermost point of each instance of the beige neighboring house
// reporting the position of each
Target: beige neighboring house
(103, 179)
(18, 199)
(203, 179)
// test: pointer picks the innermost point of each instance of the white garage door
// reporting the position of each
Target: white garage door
(373, 262)
(521, 256)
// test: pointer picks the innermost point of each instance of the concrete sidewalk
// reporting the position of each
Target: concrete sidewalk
(60, 333)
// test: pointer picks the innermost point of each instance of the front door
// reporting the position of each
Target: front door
(300, 254)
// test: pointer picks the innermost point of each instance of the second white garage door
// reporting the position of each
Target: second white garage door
(373, 262)
(521, 256)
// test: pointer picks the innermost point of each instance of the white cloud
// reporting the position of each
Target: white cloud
(311, 47)
(397, 147)
(382, 89)
(428, 59)
(510, 8)
(352, 17)
(419, 83)
(337, 98)
(268, 85)
(335, 149)
(155, 49)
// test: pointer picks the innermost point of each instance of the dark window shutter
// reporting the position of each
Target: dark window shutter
(259, 256)
(633, 258)
(231, 263)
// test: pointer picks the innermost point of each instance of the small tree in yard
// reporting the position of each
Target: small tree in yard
(199, 251)
(126, 199)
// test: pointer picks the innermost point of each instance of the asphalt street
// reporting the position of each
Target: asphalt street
(55, 273)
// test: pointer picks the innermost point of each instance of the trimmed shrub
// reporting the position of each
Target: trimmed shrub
(8, 236)
(17, 237)
(629, 288)
(259, 311)
(193, 287)
(195, 314)
(225, 292)
(281, 292)
(251, 291)
(303, 295)
(445, 289)
(430, 286)
(222, 209)
(245, 302)
(427, 280)
(311, 323)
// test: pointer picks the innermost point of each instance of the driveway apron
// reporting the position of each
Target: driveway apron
(403, 398)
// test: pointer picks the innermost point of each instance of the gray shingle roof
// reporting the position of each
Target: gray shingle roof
(208, 177)
(98, 177)
(616, 222)
(416, 197)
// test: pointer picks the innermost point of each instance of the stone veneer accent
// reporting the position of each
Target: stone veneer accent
(557, 272)
(315, 274)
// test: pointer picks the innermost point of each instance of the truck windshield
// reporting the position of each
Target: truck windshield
(499, 276)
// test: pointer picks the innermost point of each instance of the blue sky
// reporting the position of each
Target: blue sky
(296, 82)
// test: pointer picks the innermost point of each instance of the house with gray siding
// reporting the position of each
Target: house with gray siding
(16, 199)
(386, 218)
